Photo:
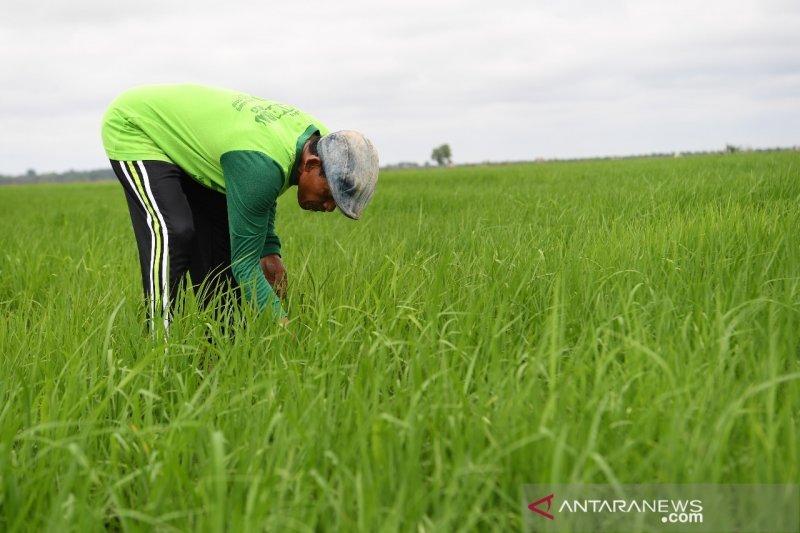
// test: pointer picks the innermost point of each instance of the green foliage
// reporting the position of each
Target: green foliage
(442, 155)
(631, 321)
(732, 149)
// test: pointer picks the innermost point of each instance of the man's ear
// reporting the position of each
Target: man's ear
(312, 162)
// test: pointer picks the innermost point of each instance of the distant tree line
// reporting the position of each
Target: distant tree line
(442, 155)
(59, 177)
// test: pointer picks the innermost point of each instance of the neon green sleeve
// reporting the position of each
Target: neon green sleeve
(253, 182)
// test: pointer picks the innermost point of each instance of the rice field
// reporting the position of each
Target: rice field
(618, 321)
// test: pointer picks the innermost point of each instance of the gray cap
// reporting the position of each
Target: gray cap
(350, 162)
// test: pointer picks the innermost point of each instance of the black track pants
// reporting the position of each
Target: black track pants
(179, 226)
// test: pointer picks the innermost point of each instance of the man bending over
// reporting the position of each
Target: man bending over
(202, 169)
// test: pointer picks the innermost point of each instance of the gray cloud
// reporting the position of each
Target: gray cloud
(502, 80)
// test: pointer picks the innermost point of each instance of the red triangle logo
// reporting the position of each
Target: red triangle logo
(544, 512)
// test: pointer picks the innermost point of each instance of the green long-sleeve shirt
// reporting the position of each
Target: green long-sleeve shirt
(243, 146)
(253, 184)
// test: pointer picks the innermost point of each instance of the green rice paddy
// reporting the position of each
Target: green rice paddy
(482, 328)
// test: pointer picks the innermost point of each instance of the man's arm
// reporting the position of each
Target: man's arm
(271, 262)
(272, 244)
(253, 182)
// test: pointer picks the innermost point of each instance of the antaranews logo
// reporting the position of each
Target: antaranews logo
(672, 511)
(673, 508)
(535, 506)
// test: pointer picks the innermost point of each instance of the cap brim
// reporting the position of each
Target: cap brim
(341, 203)
(348, 215)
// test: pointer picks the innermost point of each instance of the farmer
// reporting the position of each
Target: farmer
(202, 169)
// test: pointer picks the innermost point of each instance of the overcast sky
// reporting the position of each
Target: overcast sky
(498, 80)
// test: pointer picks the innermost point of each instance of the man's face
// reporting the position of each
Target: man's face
(313, 192)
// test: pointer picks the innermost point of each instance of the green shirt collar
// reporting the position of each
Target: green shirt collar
(301, 142)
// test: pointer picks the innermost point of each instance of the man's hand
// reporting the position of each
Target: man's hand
(275, 273)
